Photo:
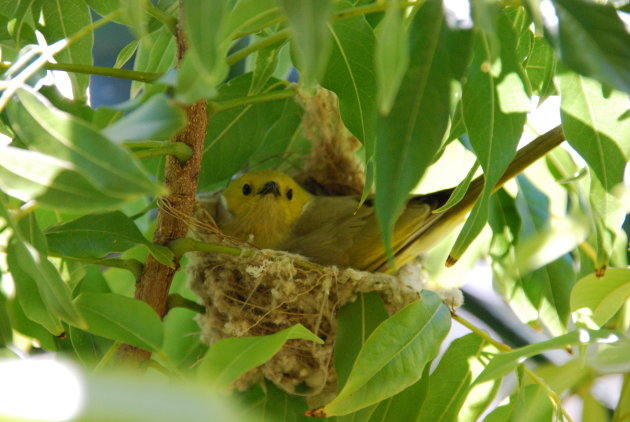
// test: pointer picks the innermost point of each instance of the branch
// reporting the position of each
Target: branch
(181, 181)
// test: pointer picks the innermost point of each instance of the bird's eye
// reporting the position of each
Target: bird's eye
(247, 189)
(290, 194)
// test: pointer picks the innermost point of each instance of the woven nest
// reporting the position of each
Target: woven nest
(269, 291)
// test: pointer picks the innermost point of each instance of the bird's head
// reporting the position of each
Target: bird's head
(266, 201)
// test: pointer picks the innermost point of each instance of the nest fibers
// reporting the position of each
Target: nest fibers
(268, 291)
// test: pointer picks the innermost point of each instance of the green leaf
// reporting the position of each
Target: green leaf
(394, 355)
(6, 331)
(204, 65)
(29, 175)
(460, 190)
(593, 410)
(96, 235)
(125, 54)
(596, 300)
(122, 319)
(350, 75)
(78, 146)
(235, 135)
(541, 68)
(308, 20)
(62, 19)
(251, 15)
(265, 66)
(493, 134)
(356, 321)
(411, 134)
(406, 404)
(548, 288)
(229, 358)
(452, 379)
(593, 124)
(157, 55)
(391, 56)
(22, 324)
(609, 358)
(157, 118)
(623, 408)
(135, 17)
(591, 39)
(89, 349)
(34, 270)
(182, 342)
(505, 362)
(532, 403)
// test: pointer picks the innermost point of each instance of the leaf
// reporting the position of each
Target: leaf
(451, 381)
(532, 403)
(609, 358)
(308, 20)
(411, 134)
(182, 343)
(356, 321)
(548, 287)
(493, 134)
(29, 175)
(6, 332)
(593, 125)
(204, 65)
(251, 15)
(505, 362)
(596, 300)
(622, 411)
(122, 319)
(125, 54)
(234, 135)
(157, 55)
(264, 67)
(392, 56)
(135, 17)
(78, 145)
(591, 39)
(62, 19)
(96, 235)
(157, 119)
(460, 190)
(22, 324)
(394, 355)
(34, 270)
(229, 358)
(541, 68)
(406, 404)
(350, 75)
(89, 349)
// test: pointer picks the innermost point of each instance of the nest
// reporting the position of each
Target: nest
(269, 291)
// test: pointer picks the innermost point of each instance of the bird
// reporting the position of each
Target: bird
(270, 210)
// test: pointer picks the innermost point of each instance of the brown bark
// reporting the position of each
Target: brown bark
(181, 180)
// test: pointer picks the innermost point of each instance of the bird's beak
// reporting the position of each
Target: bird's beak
(270, 187)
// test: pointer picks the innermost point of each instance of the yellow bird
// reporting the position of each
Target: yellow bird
(271, 210)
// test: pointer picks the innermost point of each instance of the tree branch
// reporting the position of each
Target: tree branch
(181, 181)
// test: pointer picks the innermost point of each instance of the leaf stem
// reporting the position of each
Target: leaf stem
(169, 21)
(148, 149)
(107, 356)
(219, 106)
(175, 300)
(281, 35)
(132, 265)
(553, 396)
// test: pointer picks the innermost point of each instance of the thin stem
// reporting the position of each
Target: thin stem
(553, 396)
(179, 150)
(175, 300)
(132, 265)
(252, 48)
(108, 356)
(254, 99)
(133, 75)
(169, 21)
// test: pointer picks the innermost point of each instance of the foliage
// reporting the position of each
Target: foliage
(416, 81)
